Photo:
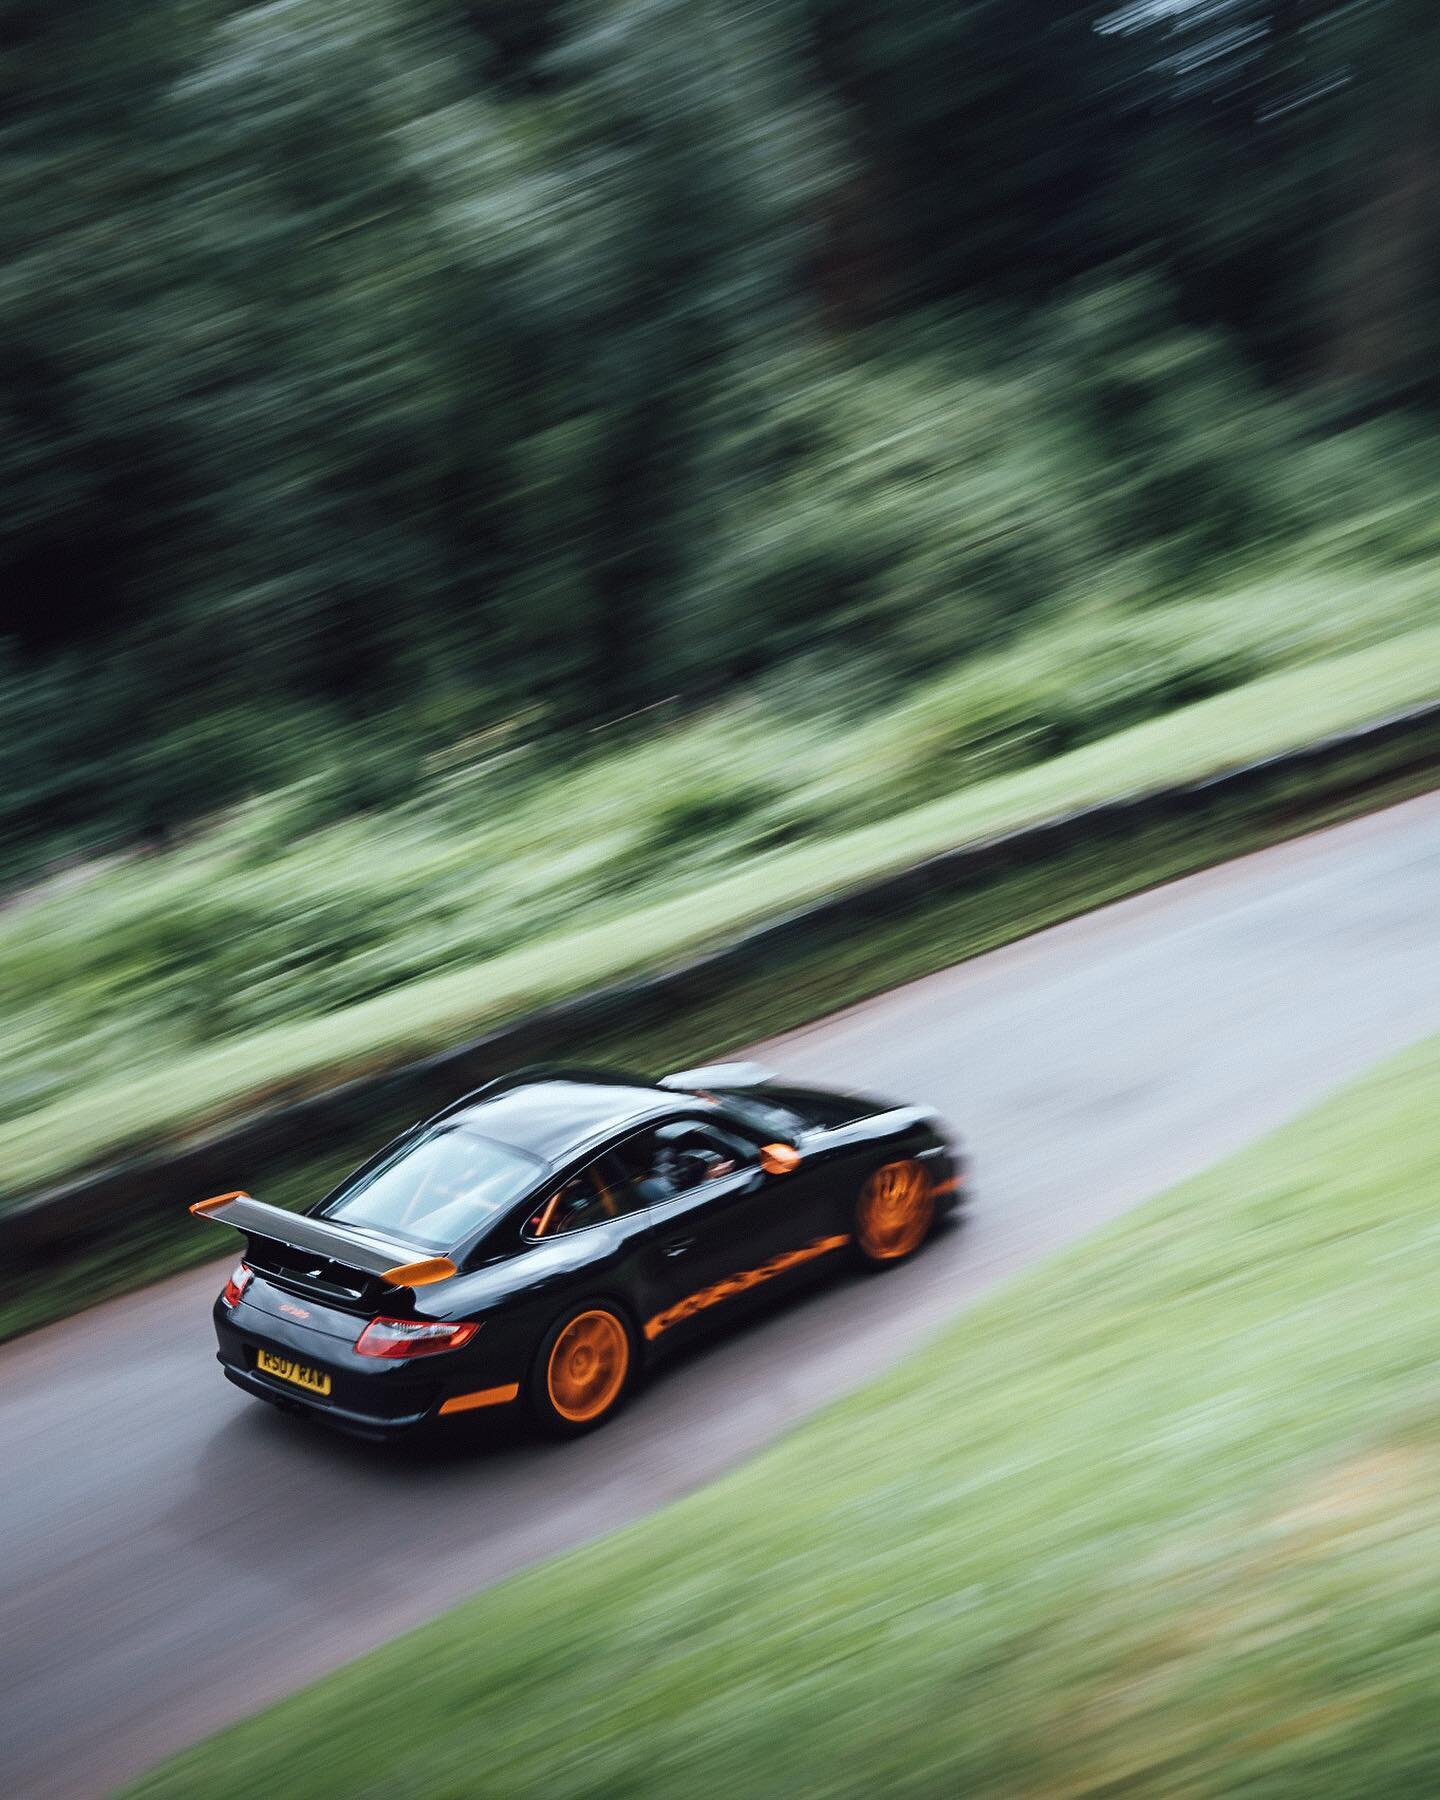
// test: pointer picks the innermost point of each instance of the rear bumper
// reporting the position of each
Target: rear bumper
(374, 1426)
(370, 1397)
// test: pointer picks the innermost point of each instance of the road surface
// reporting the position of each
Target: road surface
(175, 1555)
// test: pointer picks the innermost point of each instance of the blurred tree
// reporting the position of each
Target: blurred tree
(703, 164)
(986, 130)
(370, 367)
(1287, 155)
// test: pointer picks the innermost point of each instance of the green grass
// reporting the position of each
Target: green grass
(1160, 1518)
(167, 996)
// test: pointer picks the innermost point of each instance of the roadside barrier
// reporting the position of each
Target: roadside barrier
(53, 1225)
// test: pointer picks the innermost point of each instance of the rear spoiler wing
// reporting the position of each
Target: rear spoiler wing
(297, 1231)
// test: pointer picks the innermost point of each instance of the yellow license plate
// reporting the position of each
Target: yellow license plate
(298, 1374)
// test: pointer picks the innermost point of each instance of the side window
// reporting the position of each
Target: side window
(585, 1199)
(671, 1159)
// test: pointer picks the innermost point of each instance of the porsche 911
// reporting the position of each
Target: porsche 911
(542, 1241)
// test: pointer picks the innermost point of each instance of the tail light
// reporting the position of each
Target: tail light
(411, 1337)
(239, 1280)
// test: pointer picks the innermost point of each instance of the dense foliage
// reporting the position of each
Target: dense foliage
(375, 370)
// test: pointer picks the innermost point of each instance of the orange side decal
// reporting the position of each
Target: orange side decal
(740, 1282)
(496, 1396)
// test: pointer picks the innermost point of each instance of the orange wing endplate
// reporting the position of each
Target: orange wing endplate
(201, 1207)
(421, 1274)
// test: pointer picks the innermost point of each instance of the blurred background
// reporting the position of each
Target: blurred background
(465, 467)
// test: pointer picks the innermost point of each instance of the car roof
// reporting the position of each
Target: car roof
(553, 1116)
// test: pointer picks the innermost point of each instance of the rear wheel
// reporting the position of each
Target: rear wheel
(582, 1369)
(893, 1213)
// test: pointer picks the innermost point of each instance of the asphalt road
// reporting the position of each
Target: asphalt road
(173, 1556)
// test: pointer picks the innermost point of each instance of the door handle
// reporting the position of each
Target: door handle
(678, 1246)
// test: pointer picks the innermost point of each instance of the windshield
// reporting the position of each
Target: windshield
(436, 1190)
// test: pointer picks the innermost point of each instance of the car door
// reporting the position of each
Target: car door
(719, 1226)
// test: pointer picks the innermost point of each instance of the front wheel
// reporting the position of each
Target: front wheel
(893, 1213)
(581, 1370)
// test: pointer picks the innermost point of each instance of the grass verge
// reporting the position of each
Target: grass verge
(148, 1097)
(1159, 1518)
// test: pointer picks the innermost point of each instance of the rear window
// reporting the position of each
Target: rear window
(437, 1190)
(786, 1112)
(765, 1117)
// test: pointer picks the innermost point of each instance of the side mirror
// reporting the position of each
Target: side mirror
(780, 1159)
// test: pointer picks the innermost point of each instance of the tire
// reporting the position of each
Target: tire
(893, 1213)
(582, 1370)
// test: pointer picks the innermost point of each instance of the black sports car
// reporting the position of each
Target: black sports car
(541, 1240)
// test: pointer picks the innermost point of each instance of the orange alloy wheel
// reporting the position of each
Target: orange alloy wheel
(895, 1210)
(587, 1368)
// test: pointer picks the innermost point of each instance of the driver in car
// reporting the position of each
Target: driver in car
(680, 1164)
